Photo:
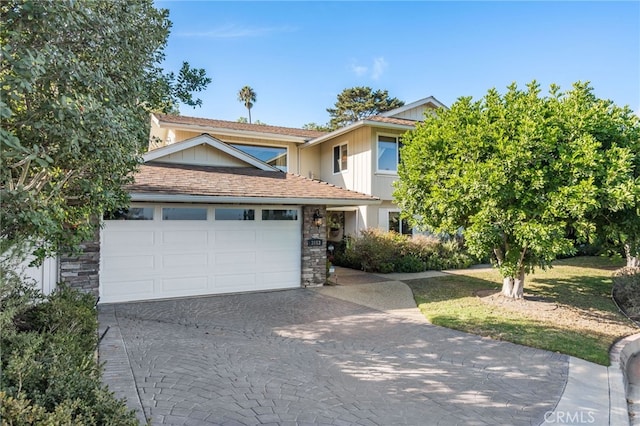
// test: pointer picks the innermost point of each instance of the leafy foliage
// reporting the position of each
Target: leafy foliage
(77, 81)
(316, 126)
(356, 103)
(519, 172)
(165, 91)
(49, 371)
(378, 251)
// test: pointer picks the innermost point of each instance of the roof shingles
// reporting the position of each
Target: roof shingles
(240, 182)
(234, 125)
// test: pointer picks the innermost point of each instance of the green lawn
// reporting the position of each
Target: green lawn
(567, 309)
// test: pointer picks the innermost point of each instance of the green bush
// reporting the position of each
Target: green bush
(410, 263)
(379, 251)
(626, 291)
(50, 374)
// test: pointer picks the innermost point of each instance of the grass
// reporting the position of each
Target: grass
(567, 309)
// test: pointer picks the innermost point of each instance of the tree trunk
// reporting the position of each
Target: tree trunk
(633, 259)
(513, 287)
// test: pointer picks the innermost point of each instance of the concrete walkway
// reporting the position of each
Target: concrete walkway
(594, 394)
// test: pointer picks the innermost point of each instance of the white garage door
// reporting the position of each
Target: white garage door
(153, 252)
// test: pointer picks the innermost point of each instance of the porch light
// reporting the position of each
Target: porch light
(317, 219)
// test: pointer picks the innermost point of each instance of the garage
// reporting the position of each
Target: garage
(155, 251)
(162, 251)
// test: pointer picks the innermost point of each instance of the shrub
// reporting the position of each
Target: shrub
(410, 263)
(49, 371)
(379, 251)
(626, 291)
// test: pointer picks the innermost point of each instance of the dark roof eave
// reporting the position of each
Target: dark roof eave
(222, 199)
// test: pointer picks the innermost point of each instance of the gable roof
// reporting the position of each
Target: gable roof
(376, 120)
(428, 100)
(209, 140)
(163, 182)
(233, 127)
(392, 120)
(385, 119)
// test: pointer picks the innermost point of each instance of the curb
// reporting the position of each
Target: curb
(619, 388)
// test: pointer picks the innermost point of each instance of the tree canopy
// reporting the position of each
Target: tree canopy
(247, 96)
(356, 103)
(77, 81)
(165, 91)
(519, 173)
(316, 126)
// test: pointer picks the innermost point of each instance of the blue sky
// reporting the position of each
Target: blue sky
(298, 56)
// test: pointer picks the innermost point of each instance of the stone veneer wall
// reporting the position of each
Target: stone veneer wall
(314, 259)
(81, 271)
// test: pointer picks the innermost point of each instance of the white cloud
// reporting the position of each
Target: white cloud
(359, 70)
(379, 67)
(375, 71)
(237, 31)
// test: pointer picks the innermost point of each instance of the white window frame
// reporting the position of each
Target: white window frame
(398, 141)
(333, 158)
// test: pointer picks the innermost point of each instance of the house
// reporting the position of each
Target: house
(361, 157)
(221, 206)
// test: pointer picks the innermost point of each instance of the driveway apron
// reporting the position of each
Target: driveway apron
(302, 357)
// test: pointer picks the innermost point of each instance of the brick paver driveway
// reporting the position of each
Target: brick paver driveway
(298, 357)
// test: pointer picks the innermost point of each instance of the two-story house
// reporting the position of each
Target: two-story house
(220, 206)
(361, 157)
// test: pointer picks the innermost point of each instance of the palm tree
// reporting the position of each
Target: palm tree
(247, 96)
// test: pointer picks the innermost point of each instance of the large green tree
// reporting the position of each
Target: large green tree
(164, 92)
(77, 80)
(357, 103)
(520, 172)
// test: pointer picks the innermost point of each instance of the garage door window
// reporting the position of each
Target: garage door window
(132, 213)
(279, 214)
(235, 214)
(184, 213)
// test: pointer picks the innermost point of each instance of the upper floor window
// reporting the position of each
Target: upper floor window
(275, 156)
(340, 155)
(389, 153)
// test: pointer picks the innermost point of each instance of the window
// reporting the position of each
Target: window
(340, 155)
(401, 226)
(273, 155)
(279, 214)
(388, 153)
(184, 213)
(132, 213)
(235, 214)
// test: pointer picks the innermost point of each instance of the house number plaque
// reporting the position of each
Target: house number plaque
(314, 242)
